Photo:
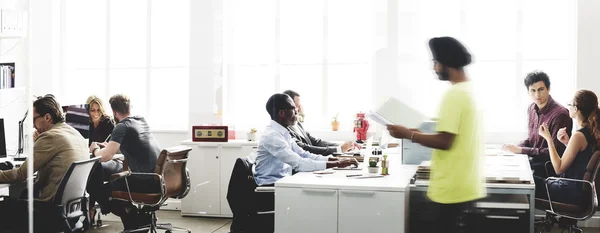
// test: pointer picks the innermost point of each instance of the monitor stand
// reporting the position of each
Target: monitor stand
(19, 156)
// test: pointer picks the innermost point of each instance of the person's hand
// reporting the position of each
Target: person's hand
(102, 144)
(563, 136)
(347, 146)
(345, 162)
(36, 134)
(93, 146)
(512, 148)
(356, 145)
(545, 132)
(399, 131)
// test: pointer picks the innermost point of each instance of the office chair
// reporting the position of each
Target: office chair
(67, 212)
(253, 207)
(174, 181)
(569, 214)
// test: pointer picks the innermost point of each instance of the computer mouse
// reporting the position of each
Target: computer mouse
(7, 165)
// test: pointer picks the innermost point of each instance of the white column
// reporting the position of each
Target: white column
(44, 46)
(588, 49)
(203, 41)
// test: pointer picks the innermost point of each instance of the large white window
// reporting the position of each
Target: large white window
(507, 39)
(321, 49)
(135, 47)
(325, 51)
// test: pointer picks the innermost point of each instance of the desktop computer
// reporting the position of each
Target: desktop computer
(2, 140)
(78, 117)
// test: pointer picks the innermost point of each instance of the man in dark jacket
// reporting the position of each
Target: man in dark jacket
(310, 143)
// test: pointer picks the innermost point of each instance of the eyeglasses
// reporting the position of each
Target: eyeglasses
(34, 118)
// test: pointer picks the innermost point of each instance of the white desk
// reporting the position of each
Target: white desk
(496, 165)
(306, 202)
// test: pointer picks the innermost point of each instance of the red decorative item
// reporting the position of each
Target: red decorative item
(361, 126)
(210, 133)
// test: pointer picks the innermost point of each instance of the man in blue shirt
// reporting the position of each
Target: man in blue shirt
(278, 154)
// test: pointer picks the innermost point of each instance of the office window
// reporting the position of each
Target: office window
(320, 49)
(507, 39)
(136, 47)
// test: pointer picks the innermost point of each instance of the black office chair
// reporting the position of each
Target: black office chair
(67, 212)
(569, 214)
(252, 206)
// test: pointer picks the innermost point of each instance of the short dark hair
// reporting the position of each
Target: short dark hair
(275, 103)
(535, 77)
(49, 105)
(291, 93)
(120, 103)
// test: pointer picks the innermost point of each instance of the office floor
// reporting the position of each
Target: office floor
(198, 224)
(195, 224)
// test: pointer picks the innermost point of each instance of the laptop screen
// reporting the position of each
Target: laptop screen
(2, 140)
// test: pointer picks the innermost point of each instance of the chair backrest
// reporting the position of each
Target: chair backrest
(171, 163)
(592, 174)
(73, 184)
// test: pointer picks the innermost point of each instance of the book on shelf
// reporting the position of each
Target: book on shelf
(7, 75)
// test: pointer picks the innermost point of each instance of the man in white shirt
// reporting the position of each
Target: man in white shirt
(278, 154)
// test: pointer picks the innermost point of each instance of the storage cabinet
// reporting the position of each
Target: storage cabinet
(371, 211)
(210, 165)
(316, 208)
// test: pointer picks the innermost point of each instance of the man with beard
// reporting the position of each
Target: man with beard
(456, 179)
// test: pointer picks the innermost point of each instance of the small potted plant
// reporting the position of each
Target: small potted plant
(373, 168)
(252, 135)
(335, 124)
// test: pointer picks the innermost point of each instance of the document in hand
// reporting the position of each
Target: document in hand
(395, 112)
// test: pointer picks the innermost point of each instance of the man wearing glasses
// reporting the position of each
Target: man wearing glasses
(543, 110)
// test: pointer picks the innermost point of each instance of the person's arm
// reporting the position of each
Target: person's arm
(576, 144)
(44, 149)
(280, 149)
(527, 142)
(556, 124)
(113, 146)
(440, 140)
(315, 149)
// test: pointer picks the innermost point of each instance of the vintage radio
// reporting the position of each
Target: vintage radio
(209, 133)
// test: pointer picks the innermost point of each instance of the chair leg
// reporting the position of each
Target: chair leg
(168, 227)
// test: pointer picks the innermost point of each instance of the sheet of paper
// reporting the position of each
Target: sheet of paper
(394, 111)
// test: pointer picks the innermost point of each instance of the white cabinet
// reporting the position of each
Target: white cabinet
(379, 208)
(210, 165)
(301, 210)
(204, 197)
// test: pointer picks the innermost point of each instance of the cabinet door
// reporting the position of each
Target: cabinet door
(371, 211)
(204, 197)
(228, 156)
(299, 210)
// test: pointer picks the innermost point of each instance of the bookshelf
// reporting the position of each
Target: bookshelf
(7, 75)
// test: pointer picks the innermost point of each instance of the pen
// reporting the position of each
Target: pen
(353, 175)
(107, 138)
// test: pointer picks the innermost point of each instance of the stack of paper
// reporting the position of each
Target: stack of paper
(395, 112)
(423, 170)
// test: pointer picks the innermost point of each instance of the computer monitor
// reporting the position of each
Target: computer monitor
(78, 116)
(2, 140)
(22, 134)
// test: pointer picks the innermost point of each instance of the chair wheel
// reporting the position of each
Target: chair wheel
(168, 231)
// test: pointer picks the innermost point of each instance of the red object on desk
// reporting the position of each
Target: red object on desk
(211, 133)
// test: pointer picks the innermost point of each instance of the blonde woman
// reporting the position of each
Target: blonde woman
(101, 125)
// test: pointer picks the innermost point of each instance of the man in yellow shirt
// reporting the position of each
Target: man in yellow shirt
(456, 178)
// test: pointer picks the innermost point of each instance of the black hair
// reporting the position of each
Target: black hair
(535, 77)
(49, 105)
(275, 103)
(291, 93)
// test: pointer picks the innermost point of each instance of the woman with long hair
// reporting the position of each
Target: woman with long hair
(580, 147)
(101, 124)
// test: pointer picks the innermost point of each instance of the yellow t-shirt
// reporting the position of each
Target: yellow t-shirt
(456, 174)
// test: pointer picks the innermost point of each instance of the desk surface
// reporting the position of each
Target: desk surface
(398, 180)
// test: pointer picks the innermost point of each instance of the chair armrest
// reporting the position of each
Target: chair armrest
(593, 196)
(162, 184)
(264, 190)
(120, 175)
